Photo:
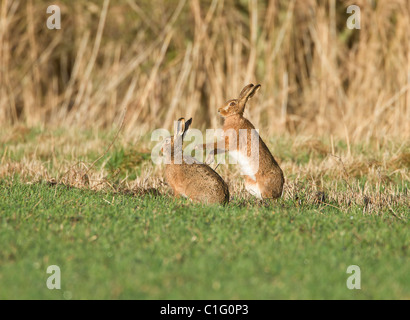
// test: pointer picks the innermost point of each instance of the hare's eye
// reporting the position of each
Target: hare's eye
(232, 104)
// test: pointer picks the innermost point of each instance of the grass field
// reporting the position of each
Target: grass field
(78, 188)
(116, 246)
(114, 237)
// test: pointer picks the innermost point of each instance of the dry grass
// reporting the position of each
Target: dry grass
(185, 58)
(304, 189)
(374, 177)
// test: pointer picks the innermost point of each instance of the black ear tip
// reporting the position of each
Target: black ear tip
(188, 122)
(256, 88)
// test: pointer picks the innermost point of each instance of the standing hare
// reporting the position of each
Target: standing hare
(263, 176)
(187, 176)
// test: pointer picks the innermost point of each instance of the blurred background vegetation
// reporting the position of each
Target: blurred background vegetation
(162, 60)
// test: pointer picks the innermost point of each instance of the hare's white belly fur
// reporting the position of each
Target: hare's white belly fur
(247, 166)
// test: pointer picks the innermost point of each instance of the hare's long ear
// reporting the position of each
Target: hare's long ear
(247, 93)
(254, 90)
(186, 127)
(180, 127)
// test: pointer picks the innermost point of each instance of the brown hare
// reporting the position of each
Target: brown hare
(187, 176)
(263, 176)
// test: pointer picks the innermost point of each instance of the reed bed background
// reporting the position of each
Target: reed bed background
(161, 60)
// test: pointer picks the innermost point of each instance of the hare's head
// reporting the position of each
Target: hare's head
(237, 106)
(173, 144)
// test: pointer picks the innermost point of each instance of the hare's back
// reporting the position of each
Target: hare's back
(203, 175)
(204, 184)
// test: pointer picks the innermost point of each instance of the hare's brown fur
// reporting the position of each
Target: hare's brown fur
(196, 181)
(268, 181)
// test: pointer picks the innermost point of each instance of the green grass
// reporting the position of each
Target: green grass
(115, 246)
(126, 163)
